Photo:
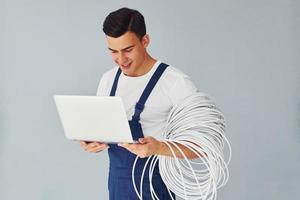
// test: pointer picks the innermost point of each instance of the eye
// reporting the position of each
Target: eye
(128, 50)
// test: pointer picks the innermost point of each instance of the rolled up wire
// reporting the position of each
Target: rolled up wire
(197, 124)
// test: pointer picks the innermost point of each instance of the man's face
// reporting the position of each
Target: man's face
(129, 52)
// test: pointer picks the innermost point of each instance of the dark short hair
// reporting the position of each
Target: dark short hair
(122, 20)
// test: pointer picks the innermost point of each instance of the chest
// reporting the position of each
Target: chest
(157, 105)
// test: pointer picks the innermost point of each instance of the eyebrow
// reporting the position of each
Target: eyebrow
(121, 49)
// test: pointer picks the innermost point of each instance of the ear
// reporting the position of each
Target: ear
(145, 40)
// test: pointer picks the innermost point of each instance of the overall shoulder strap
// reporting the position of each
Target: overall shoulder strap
(147, 91)
(115, 84)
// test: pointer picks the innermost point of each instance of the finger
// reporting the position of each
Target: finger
(146, 139)
(93, 144)
(97, 149)
(103, 145)
(82, 143)
(125, 145)
(142, 140)
(89, 147)
(92, 147)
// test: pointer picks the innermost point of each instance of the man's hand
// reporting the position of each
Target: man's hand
(93, 147)
(147, 146)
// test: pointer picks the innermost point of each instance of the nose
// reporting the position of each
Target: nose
(121, 59)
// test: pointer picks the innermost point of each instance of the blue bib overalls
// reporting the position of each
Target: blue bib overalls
(120, 184)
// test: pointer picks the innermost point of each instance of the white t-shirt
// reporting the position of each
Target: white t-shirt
(172, 87)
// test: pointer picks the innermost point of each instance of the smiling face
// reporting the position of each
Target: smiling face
(129, 53)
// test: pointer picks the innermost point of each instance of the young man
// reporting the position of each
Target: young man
(149, 89)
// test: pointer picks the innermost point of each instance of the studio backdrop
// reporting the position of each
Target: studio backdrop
(244, 54)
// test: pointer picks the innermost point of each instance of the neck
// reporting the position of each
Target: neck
(146, 66)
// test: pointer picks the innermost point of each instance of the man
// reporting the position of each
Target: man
(149, 89)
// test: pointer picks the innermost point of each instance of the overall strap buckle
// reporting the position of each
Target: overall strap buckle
(139, 107)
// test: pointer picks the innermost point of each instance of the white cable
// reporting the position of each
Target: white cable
(197, 124)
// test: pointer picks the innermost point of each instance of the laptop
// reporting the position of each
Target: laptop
(94, 118)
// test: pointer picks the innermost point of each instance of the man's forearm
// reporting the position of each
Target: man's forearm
(164, 150)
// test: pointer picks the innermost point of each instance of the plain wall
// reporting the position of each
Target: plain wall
(245, 54)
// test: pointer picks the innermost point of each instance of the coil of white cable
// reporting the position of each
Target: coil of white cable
(199, 125)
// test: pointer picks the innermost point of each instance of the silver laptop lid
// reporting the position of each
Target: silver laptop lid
(94, 118)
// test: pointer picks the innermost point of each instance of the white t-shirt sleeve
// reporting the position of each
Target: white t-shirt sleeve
(106, 81)
(102, 87)
(181, 89)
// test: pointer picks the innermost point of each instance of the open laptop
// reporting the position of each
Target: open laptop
(94, 118)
